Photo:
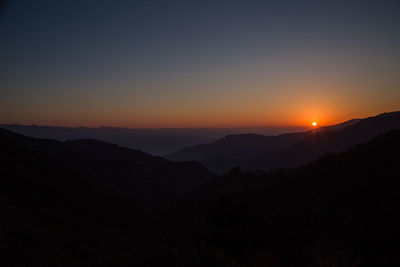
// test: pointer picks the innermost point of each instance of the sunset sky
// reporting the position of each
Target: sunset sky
(197, 63)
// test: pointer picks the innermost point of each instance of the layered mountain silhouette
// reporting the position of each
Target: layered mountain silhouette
(341, 210)
(87, 202)
(251, 152)
(133, 174)
(153, 141)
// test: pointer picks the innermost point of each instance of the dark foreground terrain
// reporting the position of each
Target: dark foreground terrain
(74, 204)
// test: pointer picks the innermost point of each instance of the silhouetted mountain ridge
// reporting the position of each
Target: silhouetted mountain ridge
(340, 210)
(237, 146)
(124, 171)
(59, 204)
(326, 141)
(153, 141)
(263, 152)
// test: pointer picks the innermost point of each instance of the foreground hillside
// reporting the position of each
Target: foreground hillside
(341, 210)
(84, 202)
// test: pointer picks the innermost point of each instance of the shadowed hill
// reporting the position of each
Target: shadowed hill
(84, 202)
(263, 152)
(325, 141)
(153, 141)
(130, 173)
(237, 146)
(340, 210)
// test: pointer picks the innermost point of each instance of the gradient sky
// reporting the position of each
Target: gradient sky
(197, 63)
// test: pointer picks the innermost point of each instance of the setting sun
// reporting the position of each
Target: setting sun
(314, 123)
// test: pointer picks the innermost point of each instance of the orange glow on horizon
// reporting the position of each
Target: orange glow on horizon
(292, 114)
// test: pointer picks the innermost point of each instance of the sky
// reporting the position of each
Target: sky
(156, 64)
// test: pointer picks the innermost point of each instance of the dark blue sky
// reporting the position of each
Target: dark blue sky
(197, 63)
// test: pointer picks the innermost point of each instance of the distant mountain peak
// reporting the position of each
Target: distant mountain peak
(254, 151)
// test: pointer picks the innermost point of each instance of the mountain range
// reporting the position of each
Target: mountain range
(340, 210)
(153, 141)
(91, 203)
(253, 151)
(121, 171)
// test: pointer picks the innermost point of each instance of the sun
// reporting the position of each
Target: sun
(314, 123)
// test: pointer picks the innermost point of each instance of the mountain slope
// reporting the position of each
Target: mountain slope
(340, 210)
(54, 211)
(237, 146)
(130, 173)
(154, 141)
(262, 152)
(325, 141)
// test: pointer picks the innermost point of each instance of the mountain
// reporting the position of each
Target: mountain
(325, 141)
(340, 210)
(60, 205)
(150, 180)
(153, 141)
(237, 146)
(263, 152)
